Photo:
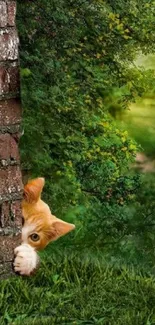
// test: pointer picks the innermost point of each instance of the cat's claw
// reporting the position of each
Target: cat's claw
(26, 260)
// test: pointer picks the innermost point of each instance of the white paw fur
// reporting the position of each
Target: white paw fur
(26, 259)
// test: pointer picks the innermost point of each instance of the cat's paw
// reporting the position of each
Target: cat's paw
(26, 260)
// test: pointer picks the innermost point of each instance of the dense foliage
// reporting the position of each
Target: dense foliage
(77, 65)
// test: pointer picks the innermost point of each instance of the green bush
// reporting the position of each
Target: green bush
(134, 242)
(76, 64)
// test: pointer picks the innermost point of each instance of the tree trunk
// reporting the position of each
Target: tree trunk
(10, 119)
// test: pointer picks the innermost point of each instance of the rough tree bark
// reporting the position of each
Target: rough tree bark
(10, 119)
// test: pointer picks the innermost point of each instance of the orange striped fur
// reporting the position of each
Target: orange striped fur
(40, 225)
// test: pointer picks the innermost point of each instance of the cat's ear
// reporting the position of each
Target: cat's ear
(60, 228)
(33, 189)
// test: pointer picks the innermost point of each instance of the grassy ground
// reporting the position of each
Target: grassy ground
(76, 289)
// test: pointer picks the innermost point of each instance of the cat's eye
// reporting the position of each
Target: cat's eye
(23, 221)
(34, 237)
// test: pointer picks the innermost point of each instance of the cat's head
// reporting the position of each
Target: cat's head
(39, 225)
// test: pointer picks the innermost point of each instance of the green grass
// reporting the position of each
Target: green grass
(78, 289)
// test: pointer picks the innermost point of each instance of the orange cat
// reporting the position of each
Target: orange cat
(39, 229)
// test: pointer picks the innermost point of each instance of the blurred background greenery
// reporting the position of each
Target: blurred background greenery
(140, 118)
